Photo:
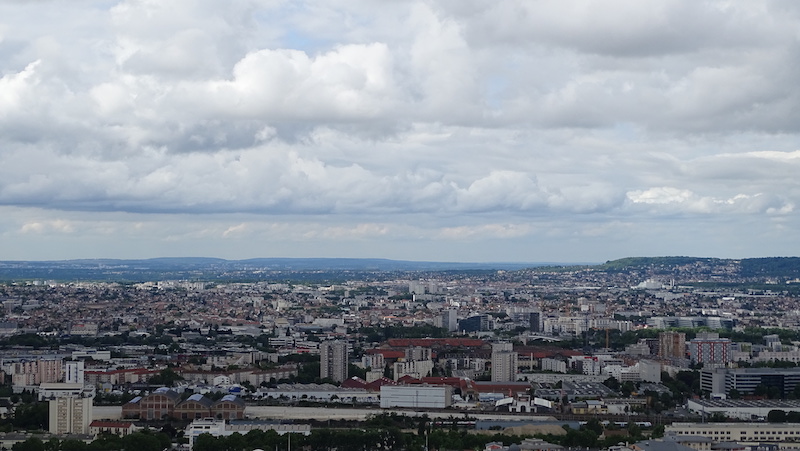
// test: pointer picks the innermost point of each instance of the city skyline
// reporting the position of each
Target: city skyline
(423, 131)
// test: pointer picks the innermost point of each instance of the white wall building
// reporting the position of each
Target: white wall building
(738, 432)
(416, 396)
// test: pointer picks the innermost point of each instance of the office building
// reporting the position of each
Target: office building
(333, 360)
(477, 323)
(776, 382)
(536, 322)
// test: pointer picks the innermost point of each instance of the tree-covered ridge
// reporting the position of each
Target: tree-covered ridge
(785, 267)
(775, 267)
(628, 263)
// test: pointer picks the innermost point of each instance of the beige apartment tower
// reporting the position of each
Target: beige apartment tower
(333, 360)
(70, 407)
(504, 362)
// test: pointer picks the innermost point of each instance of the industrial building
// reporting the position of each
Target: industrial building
(416, 396)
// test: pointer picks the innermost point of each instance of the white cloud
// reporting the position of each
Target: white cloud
(510, 121)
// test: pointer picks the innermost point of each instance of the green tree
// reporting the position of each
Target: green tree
(594, 425)
(73, 445)
(106, 441)
(145, 441)
(776, 416)
(166, 377)
(32, 444)
(31, 416)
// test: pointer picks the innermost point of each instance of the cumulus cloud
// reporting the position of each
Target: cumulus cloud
(511, 120)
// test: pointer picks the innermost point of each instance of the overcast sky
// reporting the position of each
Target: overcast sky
(455, 130)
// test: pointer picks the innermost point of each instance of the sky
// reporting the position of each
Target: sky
(452, 130)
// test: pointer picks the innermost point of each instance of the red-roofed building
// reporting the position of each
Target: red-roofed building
(388, 354)
(121, 428)
(354, 382)
(376, 384)
(436, 342)
(507, 388)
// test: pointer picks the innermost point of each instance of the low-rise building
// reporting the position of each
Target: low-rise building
(738, 432)
(416, 396)
(121, 428)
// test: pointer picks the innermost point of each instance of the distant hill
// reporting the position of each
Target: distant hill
(769, 267)
(199, 268)
(340, 269)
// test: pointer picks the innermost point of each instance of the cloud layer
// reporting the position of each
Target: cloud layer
(455, 130)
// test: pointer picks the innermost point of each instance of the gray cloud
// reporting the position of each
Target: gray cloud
(522, 122)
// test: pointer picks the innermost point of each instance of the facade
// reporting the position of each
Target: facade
(748, 381)
(74, 372)
(709, 348)
(740, 409)
(70, 407)
(559, 366)
(121, 428)
(738, 432)
(230, 407)
(333, 360)
(416, 396)
(450, 320)
(166, 403)
(34, 372)
(672, 345)
(504, 362)
(477, 323)
(415, 368)
(195, 407)
(418, 353)
(535, 319)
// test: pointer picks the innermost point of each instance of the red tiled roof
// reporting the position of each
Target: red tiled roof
(377, 384)
(388, 353)
(110, 424)
(428, 342)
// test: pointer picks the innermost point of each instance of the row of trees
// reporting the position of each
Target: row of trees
(392, 437)
(139, 441)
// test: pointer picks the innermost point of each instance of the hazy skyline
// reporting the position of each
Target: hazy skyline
(451, 130)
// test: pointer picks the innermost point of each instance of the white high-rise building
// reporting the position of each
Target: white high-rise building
(74, 372)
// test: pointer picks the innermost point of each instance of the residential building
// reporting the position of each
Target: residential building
(709, 348)
(70, 407)
(333, 360)
(504, 362)
(672, 345)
